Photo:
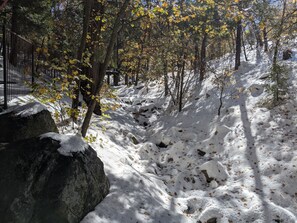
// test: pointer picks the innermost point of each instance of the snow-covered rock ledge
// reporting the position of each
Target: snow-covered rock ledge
(68, 143)
(25, 121)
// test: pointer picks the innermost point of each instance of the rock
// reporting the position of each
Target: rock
(256, 90)
(25, 121)
(162, 145)
(214, 170)
(287, 54)
(132, 138)
(39, 184)
(200, 152)
(212, 220)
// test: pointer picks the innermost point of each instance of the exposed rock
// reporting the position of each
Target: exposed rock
(25, 121)
(162, 145)
(133, 138)
(212, 220)
(39, 184)
(207, 177)
(214, 170)
(200, 152)
(256, 90)
(287, 54)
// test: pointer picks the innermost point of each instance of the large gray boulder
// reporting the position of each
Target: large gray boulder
(52, 178)
(23, 122)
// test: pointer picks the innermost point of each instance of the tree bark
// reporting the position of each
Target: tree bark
(86, 20)
(257, 34)
(203, 57)
(238, 44)
(196, 58)
(165, 72)
(104, 65)
(279, 33)
(265, 39)
(181, 91)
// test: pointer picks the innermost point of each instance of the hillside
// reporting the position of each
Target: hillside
(196, 166)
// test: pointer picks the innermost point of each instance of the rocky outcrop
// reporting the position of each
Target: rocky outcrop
(25, 121)
(43, 182)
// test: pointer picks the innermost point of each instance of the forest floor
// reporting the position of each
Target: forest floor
(195, 166)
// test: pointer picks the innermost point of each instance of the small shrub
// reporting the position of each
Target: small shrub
(278, 86)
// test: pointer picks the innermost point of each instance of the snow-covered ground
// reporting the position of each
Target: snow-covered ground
(196, 166)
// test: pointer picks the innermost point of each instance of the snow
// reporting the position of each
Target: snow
(69, 143)
(249, 152)
(26, 110)
(155, 157)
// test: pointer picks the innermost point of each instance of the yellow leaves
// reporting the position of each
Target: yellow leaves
(159, 10)
(224, 28)
(261, 25)
(42, 90)
(73, 61)
(176, 11)
(164, 4)
(211, 3)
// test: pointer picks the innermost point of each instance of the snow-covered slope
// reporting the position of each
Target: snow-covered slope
(196, 166)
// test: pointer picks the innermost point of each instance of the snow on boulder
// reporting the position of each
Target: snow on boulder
(68, 143)
(38, 184)
(26, 121)
(214, 170)
(26, 110)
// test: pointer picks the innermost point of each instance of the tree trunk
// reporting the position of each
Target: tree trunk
(104, 65)
(203, 57)
(196, 59)
(126, 79)
(86, 20)
(257, 34)
(265, 39)
(238, 44)
(181, 91)
(116, 79)
(165, 72)
(279, 33)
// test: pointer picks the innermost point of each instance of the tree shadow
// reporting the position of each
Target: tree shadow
(251, 153)
(132, 198)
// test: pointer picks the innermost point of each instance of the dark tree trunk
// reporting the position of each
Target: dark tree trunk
(196, 59)
(181, 91)
(126, 79)
(265, 39)
(238, 44)
(257, 34)
(81, 49)
(104, 65)
(203, 57)
(165, 78)
(116, 79)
